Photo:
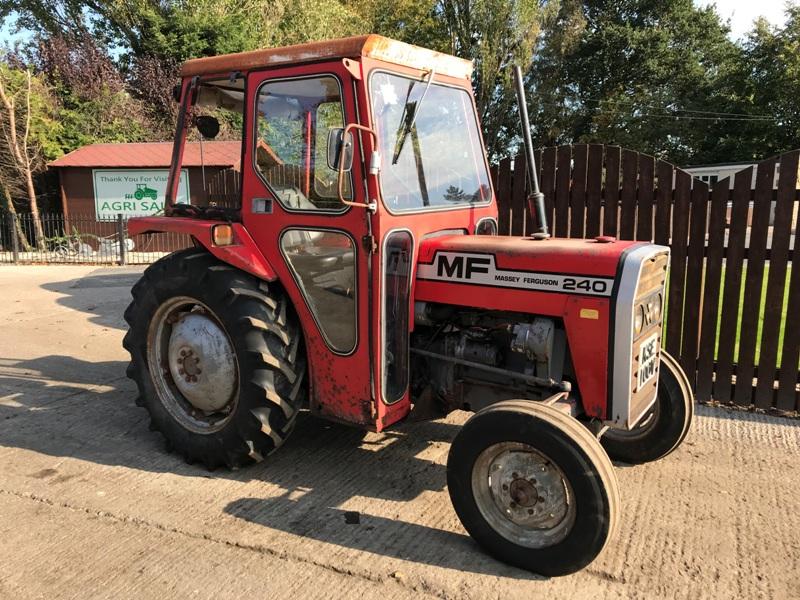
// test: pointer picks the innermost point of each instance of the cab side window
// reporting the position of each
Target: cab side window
(294, 118)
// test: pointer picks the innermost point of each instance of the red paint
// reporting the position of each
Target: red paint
(243, 254)
(348, 387)
(587, 338)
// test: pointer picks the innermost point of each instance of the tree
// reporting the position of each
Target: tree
(496, 35)
(94, 104)
(767, 81)
(27, 128)
(647, 74)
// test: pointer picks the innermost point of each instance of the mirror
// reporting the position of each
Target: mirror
(208, 126)
(340, 149)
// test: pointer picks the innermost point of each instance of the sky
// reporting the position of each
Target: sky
(741, 13)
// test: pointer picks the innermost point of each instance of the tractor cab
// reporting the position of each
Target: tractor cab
(353, 153)
(351, 266)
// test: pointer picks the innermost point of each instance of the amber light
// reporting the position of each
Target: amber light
(222, 235)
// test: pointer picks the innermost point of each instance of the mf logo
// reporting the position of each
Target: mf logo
(461, 267)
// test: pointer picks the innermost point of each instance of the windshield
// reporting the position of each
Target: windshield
(432, 152)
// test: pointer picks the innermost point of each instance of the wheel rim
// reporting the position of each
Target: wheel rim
(192, 364)
(523, 495)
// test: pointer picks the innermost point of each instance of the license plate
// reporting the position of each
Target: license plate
(648, 360)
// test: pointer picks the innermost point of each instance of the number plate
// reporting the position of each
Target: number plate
(648, 360)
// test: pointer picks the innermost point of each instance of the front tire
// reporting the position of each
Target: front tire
(533, 487)
(217, 357)
(664, 427)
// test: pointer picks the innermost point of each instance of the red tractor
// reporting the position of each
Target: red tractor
(357, 272)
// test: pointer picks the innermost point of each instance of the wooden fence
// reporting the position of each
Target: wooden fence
(733, 301)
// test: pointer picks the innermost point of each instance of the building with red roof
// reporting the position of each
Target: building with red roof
(105, 180)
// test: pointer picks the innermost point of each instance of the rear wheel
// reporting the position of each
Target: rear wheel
(663, 428)
(533, 487)
(217, 359)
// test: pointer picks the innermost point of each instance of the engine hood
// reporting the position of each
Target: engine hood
(524, 263)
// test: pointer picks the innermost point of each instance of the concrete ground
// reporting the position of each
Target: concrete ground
(93, 507)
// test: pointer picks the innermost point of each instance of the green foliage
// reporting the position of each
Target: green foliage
(632, 75)
(103, 118)
(654, 75)
(767, 81)
(496, 35)
(40, 107)
(308, 20)
(663, 77)
(416, 22)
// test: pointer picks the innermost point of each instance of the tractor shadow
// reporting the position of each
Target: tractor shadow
(325, 466)
(322, 467)
(374, 534)
(103, 293)
(65, 407)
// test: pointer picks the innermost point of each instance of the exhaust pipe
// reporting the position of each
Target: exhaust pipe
(536, 198)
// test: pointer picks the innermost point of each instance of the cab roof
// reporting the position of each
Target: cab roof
(372, 46)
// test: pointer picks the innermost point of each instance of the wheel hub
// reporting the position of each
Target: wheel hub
(201, 361)
(525, 494)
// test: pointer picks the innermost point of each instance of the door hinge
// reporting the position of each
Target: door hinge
(368, 241)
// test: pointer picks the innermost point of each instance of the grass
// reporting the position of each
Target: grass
(761, 309)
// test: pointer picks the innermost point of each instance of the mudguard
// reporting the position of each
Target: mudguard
(242, 254)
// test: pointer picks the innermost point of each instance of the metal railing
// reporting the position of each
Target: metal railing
(80, 239)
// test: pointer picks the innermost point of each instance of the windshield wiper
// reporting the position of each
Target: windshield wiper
(410, 112)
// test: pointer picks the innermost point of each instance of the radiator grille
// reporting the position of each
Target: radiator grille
(649, 295)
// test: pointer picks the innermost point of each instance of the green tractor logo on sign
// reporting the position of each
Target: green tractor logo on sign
(142, 192)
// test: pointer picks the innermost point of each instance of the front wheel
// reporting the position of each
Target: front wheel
(662, 429)
(533, 487)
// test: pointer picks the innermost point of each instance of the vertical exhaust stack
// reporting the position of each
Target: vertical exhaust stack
(536, 198)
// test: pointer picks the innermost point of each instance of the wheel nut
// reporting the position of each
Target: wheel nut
(181, 371)
(505, 487)
(183, 352)
(530, 511)
(513, 505)
(514, 475)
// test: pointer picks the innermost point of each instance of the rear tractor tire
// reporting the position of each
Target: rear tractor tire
(217, 357)
(533, 487)
(664, 427)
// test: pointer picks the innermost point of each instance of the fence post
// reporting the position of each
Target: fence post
(14, 237)
(121, 238)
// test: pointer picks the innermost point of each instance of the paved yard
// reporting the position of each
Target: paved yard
(93, 507)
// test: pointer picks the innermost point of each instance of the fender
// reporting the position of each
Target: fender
(242, 254)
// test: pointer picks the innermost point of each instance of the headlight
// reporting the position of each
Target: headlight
(638, 319)
(658, 304)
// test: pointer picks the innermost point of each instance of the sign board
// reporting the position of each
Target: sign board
(133, 192)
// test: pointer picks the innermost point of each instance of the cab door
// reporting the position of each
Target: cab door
(291, 208)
